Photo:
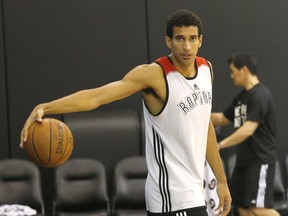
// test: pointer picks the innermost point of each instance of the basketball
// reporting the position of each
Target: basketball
(50, 143)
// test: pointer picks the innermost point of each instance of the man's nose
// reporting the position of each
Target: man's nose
(187, 45)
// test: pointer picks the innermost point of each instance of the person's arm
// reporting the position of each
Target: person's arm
(215, 162)
(219, 119)
(137, 79)
(241, 134)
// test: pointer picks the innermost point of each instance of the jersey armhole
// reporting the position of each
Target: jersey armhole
(167, 94)
(211, 71)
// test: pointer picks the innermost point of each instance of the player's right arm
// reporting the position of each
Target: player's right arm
(138, 79)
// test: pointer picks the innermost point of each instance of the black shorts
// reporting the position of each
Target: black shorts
(198, 211)
(253, 186)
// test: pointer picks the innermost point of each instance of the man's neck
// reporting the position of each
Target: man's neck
(251, 82)
(187, 70)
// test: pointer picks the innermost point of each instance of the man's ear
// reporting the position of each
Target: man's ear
(168, 42)
(200, 40)
(245, 68)
(247, 71)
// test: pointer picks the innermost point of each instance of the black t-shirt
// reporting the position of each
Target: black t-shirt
(255, 105)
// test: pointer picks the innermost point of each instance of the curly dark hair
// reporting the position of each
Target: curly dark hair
(242, 59)
(183, 18)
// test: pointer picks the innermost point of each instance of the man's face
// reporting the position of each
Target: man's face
(237, 75)
(185, 43)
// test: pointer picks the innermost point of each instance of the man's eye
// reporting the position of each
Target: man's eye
(193, 39)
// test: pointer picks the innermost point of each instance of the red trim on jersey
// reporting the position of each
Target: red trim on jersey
(200, 61)
(166, 64)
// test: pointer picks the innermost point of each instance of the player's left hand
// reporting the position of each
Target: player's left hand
(225, 199)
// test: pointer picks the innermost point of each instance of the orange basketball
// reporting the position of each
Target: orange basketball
(49, 143)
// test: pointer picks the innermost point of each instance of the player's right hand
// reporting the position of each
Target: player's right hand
(225, 199)
(36, 115)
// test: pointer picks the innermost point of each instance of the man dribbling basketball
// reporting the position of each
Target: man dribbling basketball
(177, 100)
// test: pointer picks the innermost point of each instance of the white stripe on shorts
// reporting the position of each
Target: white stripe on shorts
(181, 214)
(262, 186)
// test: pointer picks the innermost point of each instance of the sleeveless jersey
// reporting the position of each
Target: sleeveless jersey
(176, 140)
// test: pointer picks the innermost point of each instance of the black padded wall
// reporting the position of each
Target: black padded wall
(4, 139)
(55, 48)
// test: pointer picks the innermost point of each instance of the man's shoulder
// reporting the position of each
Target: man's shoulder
(149, 72)
(261, 91)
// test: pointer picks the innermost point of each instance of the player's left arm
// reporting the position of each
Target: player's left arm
(215, 162)
(241, 134)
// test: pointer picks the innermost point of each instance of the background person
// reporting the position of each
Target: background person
(253, 115)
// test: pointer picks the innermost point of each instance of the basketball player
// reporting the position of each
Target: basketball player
(252, 112)
(177, 97)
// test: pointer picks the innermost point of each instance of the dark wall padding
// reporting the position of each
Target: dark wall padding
(4, 140)
(55, 48)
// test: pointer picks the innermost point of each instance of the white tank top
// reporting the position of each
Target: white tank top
(176, 140)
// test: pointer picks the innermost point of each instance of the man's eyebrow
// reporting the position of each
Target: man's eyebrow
(188, 35)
